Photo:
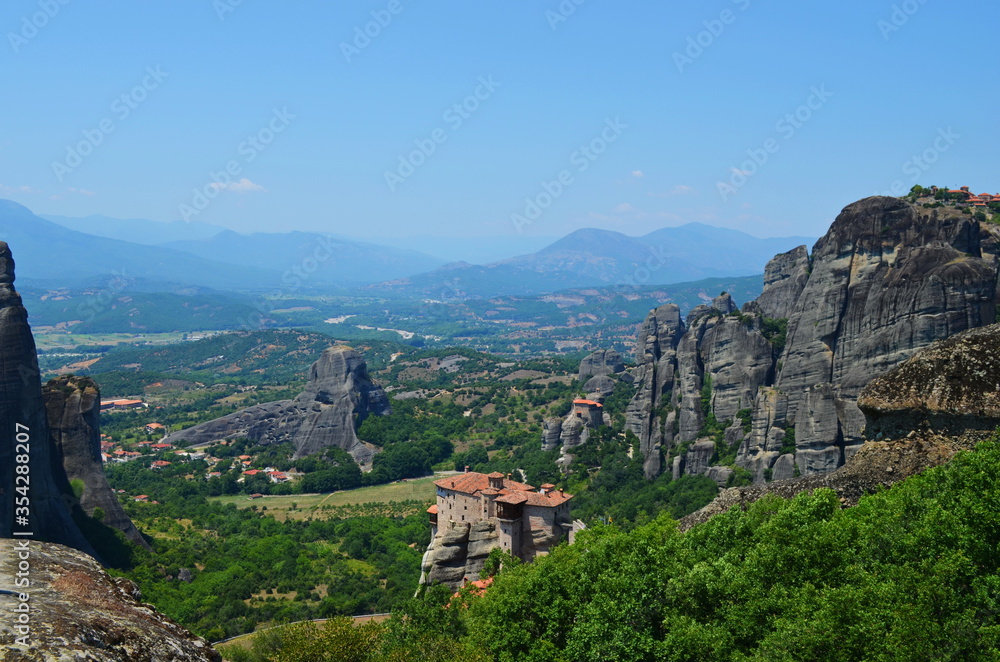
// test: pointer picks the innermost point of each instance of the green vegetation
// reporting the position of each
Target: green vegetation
(908, 574)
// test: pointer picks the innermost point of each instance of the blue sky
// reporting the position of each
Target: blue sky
(691, 106)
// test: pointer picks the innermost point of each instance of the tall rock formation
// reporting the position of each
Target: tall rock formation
(338, 397)
(73, 405)
(26, 462)
(887, 279)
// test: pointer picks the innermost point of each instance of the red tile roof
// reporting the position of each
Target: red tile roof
(589, 403)
(513, 498)
(472, 482)
(433, 510)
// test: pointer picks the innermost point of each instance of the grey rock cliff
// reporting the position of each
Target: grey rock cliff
(784, 279)
(23, 419)
(886, 280)
(601, 362)
(73, 405)
(337, 399)
(656, 356)
(458, 554)
(952, 387)
(78, 612)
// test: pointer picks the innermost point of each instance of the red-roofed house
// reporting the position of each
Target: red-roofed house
(591, 412)
(154, 427)
(527, 522)
(159, 464)
(161, 447)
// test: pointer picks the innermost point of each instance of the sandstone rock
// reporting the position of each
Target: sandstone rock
(952, 387)
(24, 421)
(338, 397)
(551, 431)
(601, 362)
(887, 279)
(459, 553)
(699, 457)
(73, 405)
(78, 612)
(656, 356)
(601, 385)
(784, 279)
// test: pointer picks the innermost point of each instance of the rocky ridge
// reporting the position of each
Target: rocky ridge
(79, 612)
(338, 397)
(944, 399)
(23, 417)
(73, 406)
(887, 279)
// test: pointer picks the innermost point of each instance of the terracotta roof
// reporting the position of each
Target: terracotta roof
(472, 482)
(548, 500)
(589, 403)
(490, 492)
(513, 498)
(495, 474)
(433, 510)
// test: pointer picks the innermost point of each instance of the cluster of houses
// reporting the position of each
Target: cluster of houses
(981, 200)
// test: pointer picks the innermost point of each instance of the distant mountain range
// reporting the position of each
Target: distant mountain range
(53, 254)
(137, 230)
(154, 256)
(601, 258)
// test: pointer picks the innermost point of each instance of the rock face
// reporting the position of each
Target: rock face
(784, 279)
(26, 435)
(78, 612)
(601, 362)
(337, 399)
(73, 405)
(887, 280)
(952, 387)
(944, 399)
(459, 553)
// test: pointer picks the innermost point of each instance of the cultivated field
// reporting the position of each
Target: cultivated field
(406, 497)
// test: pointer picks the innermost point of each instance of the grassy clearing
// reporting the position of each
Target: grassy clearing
(402, 498)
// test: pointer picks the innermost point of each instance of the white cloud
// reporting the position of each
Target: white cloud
(242, 186)
(624, 208)
(81, 191)
(680, 189)
(17, 189)
(638, 174)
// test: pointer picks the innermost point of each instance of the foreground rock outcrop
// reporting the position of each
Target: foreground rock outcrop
(338, 397)
(73, 406)
(887, 279)
(952, 387)
(79, 612)
(26, 460)
(944, 399)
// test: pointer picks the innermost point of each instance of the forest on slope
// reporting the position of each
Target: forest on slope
(910, 573)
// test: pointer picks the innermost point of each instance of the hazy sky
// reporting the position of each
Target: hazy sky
(446, 116)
